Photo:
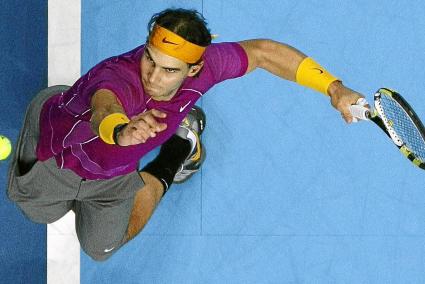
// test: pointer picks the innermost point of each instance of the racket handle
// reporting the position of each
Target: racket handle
(359, 111)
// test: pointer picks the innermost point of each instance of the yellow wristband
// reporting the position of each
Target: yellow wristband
(107, 125)
(310, 74)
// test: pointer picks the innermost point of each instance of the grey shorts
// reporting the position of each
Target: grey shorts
(45, 193)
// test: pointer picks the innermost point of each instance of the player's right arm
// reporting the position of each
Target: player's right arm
(139, 128)
(285, 61)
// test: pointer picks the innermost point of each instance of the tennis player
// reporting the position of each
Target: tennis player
(80, 146)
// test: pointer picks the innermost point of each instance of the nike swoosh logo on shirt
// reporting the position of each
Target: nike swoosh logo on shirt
(183, 107)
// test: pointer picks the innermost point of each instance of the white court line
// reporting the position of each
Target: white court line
(64, 67)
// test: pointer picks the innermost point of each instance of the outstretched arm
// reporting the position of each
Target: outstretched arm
(107, 108)
(278, 58)
(283, 60)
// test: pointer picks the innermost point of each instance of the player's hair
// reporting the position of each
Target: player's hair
(189, 24)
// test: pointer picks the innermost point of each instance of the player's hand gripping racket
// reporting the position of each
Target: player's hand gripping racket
(398, 120)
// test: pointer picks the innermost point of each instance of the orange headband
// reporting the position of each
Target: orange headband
(175, 46)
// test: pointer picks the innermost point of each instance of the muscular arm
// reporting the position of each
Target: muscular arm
(279, 59)
(103, 103)
(283, 60)
(139, 129)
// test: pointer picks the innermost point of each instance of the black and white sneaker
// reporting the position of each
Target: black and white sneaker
(191, 129)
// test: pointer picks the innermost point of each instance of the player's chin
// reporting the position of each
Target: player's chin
(158, 97)
(154, 93)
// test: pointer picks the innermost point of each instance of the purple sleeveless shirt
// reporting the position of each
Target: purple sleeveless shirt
(65, 118)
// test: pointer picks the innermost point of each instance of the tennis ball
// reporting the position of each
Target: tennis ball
(5, 147)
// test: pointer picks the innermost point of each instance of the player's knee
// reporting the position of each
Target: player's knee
(99, 257)
(99, 254)
(97, 249)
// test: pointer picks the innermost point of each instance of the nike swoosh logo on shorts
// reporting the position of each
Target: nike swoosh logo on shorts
(183, 107)
(108, 250)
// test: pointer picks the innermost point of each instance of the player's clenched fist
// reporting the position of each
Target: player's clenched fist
(141, 127)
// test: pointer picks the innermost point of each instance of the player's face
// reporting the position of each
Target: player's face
(162, 75)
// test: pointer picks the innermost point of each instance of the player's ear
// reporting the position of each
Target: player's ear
(195, 69)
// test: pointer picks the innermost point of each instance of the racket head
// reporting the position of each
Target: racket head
(402, 124)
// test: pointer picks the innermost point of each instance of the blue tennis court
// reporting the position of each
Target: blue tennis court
(288, 193)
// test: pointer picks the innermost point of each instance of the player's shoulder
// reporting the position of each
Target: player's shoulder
(223, 53)
(216, 48)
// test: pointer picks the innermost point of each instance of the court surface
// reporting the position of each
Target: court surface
(288, 193)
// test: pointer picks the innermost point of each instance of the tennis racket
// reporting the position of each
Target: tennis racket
(398, 120)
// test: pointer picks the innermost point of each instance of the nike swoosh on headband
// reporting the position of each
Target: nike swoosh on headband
(164, 40)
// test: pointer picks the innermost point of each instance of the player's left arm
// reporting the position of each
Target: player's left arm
(283, 60)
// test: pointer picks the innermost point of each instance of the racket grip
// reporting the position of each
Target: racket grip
(359, 111)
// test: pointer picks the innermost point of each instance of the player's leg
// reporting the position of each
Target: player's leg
(145, 202)
(102, 211)
(30, 180)
(181, 155)
(105, 226)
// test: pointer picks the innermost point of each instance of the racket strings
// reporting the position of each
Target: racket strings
(404, 126)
